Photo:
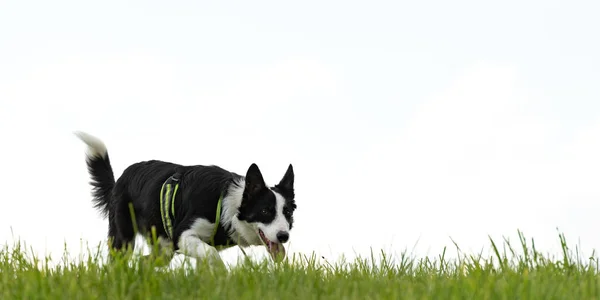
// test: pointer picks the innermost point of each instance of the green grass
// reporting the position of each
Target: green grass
(509, 272)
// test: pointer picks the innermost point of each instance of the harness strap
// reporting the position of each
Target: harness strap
(168, 192)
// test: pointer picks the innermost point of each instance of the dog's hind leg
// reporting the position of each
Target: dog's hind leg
(121, 226)
(112, 230)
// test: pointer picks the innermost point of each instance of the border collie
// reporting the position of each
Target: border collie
(252, 213)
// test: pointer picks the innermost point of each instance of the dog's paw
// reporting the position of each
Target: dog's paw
(210, 256)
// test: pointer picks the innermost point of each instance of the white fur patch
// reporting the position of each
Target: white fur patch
(241, 232)
(96, 147)
(191, 241)
(165, 246)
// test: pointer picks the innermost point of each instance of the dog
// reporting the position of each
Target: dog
(211, 208)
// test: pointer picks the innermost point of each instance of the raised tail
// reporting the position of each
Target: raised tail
(98, 164)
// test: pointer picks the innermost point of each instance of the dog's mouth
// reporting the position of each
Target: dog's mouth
(276, 250)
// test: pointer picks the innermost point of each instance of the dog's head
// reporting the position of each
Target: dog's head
(270, 210)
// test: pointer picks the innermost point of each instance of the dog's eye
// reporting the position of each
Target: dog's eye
(264, 211)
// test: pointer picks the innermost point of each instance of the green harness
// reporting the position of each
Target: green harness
(167, 206)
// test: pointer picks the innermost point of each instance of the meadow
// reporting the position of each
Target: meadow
(510, 272)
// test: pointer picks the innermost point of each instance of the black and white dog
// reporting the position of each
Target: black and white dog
(252, 213)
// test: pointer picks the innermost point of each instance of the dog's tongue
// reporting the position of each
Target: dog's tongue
(277, 251)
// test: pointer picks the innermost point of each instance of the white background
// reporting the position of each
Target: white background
(406, 122)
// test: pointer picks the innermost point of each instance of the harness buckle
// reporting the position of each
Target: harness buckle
(176, 176)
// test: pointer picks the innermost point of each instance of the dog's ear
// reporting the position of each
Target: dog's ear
(287, 182)
(254, 180)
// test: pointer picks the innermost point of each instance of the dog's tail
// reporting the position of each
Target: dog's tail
(100, 170)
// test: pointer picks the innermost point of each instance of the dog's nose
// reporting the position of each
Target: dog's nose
(283, 236)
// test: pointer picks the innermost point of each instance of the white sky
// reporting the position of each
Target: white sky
(406, 122)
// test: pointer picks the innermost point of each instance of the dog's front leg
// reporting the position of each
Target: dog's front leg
(191, 245)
